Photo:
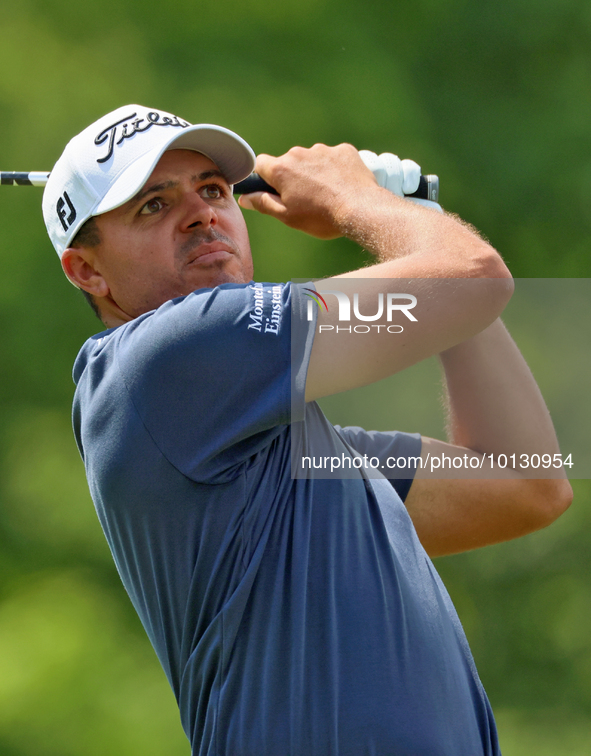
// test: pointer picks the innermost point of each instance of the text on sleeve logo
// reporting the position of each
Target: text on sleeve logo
(267, 311)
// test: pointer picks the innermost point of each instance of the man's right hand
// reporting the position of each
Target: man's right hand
(318, 188)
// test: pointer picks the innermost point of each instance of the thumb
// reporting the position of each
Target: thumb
(263, 202)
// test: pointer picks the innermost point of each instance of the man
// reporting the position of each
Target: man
(291, 615)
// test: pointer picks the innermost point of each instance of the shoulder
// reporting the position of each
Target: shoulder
(252, 314)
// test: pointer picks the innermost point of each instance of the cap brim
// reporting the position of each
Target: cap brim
(232, 155)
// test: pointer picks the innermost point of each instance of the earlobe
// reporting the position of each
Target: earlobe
(78, 267)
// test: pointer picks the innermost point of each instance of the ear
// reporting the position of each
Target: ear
(78, 265)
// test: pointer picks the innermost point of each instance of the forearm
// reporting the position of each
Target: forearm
(411, 241)
(460, 285)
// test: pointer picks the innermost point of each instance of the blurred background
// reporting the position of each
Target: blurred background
(494, 97)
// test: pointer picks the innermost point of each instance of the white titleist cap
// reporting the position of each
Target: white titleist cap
(111, 160)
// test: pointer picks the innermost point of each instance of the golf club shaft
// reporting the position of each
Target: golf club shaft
(16, 178)
(428, 186)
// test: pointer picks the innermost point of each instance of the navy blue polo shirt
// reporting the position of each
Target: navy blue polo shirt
(292, 616)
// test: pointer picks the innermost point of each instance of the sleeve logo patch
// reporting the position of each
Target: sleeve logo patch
(266, 316)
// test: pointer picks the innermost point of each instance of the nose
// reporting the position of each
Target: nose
(197, 213)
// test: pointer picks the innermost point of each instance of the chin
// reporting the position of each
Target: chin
(206, 278)
(221, 275)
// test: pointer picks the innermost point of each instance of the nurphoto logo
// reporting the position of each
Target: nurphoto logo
(393, 303)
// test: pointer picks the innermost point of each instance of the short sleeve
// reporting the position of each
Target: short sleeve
(211, 374)
(398, 453)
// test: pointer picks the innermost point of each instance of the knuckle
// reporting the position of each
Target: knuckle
(349, 149)
(296, 151)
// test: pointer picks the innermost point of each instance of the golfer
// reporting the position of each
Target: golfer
(293, 614)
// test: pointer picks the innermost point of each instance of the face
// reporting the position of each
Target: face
(183, 231)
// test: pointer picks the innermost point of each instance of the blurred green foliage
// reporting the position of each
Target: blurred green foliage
(494, 97)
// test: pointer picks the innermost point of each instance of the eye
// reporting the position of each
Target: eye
(212, 191)
(152, 206)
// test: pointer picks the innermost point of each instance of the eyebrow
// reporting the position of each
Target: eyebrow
(154, 188)
(209, 174)
(171, 185)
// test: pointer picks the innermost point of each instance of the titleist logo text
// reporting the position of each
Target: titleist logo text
(130, 125)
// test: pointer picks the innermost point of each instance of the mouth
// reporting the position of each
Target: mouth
(210, 252)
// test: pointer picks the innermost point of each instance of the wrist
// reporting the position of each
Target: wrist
(378, 221)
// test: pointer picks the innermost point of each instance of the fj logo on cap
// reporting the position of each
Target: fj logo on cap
(63, 207)
(130, 125)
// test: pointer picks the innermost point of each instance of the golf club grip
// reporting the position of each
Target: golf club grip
(428, 187)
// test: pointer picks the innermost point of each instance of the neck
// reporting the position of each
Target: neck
(111, 314)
